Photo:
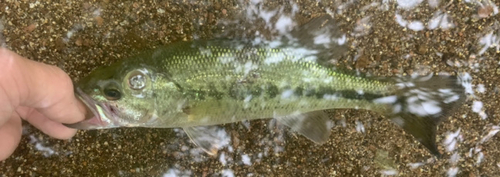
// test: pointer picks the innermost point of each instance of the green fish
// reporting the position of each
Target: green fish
(198, 84)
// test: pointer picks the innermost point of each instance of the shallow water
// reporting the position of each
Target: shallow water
(382, 37)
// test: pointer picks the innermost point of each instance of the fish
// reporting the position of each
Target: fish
(199, 84)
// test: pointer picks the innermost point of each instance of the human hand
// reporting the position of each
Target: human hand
(38, 93)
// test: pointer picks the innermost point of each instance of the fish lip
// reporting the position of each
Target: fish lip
(98, 119)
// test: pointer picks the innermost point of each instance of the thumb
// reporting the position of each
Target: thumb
(43, 87)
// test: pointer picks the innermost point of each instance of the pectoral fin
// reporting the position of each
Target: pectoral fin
(314, 125)
(209, 138)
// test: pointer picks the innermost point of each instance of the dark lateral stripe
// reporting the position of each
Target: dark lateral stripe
(347, 94)
(271, 91)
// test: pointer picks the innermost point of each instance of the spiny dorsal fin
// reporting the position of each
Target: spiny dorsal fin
(314, 125)
(321, 33)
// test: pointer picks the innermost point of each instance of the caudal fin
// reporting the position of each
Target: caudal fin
(421, 103)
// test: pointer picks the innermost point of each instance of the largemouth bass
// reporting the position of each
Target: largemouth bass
(197, 84)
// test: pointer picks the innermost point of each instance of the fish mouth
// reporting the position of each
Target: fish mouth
(98, 115)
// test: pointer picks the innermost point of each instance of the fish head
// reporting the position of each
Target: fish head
(117, 96)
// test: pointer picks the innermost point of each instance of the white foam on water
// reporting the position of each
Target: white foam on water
(451, 140)
(408, 4)
(416, 25)
(386, 100)
(322, 39)
(360, 127)
(222, 159)
(431, 107)
(284, 24)
(389, 172)
(433, 3)
(342, 40)
(492, 132)
(480, 157)
(402, 22)
(451, 99)
(490, 40)
(170, 173)
(467, 83)
(174, 172)
(246, 159)
(454, 158)
(440, 20)
(252, 9)
(46, 151)
(453, 171)
(445, 91)
(275, 44)
(480, 88)
(72, 31)
(424, 108)
(477, 106)
(227, 173)
(415, 165)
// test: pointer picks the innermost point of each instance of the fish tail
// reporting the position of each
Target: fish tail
(420, 103)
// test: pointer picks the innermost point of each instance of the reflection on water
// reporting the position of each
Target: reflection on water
(383, 38)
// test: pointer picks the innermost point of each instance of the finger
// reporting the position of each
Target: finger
(10, 134)
(5, 110)
(44, 124)
(42, 86)
(55, 96)
(7, 107)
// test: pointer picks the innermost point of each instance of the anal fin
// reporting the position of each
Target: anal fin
(209, 138)
(315, 125)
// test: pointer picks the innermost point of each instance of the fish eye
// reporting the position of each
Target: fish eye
(137, 80)
(112, 94)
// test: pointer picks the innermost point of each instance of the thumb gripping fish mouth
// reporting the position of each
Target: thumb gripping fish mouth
(95, 116)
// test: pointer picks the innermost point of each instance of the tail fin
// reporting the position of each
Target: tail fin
(421, 103)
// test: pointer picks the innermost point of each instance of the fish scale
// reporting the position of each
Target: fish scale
(209, 69)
